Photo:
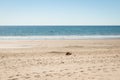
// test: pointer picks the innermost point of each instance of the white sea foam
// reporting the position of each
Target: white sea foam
(71, 37)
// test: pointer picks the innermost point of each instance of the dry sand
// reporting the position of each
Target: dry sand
(46, 60)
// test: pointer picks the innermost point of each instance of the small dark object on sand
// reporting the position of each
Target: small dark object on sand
(68, 53)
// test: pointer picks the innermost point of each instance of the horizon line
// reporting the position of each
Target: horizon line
(60, 25)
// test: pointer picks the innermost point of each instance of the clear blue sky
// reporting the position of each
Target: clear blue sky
(59, 12)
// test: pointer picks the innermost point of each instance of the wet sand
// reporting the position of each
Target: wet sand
(47, 60)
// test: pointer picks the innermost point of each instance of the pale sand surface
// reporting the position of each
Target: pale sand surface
(46, 60)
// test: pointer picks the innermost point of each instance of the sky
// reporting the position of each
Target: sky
(59, 12)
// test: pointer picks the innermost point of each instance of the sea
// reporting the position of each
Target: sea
(59, 32)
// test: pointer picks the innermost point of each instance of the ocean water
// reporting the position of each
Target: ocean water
(58, 32)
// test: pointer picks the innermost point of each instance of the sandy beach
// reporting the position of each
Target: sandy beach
(47, 59)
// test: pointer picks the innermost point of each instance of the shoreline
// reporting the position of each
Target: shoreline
(61, 37)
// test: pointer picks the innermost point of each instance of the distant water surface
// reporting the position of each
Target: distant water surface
(58, 32)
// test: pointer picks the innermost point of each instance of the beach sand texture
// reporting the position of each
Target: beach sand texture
(47, 60)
